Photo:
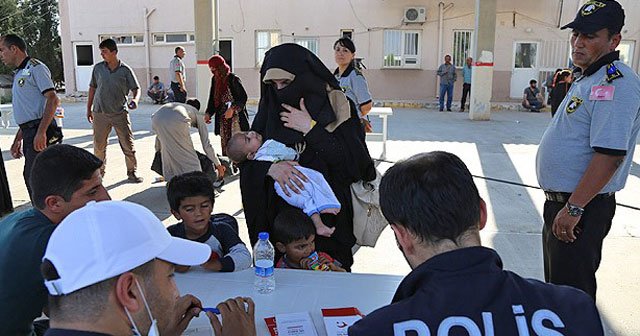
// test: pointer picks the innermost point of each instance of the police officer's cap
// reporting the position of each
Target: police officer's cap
(595, 15)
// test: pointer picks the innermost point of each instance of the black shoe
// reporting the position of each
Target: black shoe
(132, 178)
(440, 110)
(218, 184)
(448, 110)
(462, 110)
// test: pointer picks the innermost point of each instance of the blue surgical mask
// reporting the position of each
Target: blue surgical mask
(153, 329)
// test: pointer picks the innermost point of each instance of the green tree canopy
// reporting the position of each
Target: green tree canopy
(36, 21)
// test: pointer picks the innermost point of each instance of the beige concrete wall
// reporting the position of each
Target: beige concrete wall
(85, 20)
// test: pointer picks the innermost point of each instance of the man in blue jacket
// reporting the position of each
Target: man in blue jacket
(456, 286)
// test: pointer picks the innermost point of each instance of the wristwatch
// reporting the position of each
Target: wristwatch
(574, 210)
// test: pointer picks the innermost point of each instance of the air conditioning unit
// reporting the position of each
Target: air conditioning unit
(414, 15)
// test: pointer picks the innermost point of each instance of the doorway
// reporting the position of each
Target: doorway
(226, 51)
(83, 52)
(525, 66)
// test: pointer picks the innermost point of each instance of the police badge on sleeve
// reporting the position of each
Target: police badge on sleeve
(574, 104)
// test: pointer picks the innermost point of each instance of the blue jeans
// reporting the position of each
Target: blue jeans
(534, 105)
(448, 89)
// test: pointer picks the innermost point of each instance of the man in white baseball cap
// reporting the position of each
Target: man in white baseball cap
(109, 269)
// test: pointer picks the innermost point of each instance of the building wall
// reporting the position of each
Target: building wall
(535, 21)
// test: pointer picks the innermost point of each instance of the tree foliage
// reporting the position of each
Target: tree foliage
(36, 21)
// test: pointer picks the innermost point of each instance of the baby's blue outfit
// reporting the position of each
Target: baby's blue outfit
(317, 194)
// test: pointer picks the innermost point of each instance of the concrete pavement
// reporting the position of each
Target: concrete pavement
(503, 148)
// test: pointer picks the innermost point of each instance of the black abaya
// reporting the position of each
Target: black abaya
(6, 205)
(340, 155)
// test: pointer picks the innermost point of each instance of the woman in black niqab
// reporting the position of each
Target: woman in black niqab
(302, 106)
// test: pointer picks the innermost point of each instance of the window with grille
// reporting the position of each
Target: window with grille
(462, 46)
(125, 39)
(265, 39)
(401, 49)
(310, 43)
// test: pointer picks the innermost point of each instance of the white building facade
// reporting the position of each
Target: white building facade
(400, 42)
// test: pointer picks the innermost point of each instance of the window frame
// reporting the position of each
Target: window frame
(116, 38)
(190, 38)
(347, 32)
(403, 57)
(260, 56)
(469, 52)
(309, 38)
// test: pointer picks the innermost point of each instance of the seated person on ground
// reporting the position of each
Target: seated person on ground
(295, 237)
(191, 198)
(456, 286)
(157, 91)
(317, 196)
(532, 98)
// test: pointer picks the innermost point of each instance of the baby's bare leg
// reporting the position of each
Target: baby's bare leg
(321, 229)
(333, 211)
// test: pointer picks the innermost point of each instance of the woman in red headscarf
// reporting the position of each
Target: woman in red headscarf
(227, 100)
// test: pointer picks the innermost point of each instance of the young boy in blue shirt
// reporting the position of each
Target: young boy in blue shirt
(295, 237)
(191, 198)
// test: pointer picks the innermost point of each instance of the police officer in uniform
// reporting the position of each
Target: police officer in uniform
(351, 79)
(585, 154)
(34, 103)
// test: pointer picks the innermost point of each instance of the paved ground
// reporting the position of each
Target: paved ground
(503, 148)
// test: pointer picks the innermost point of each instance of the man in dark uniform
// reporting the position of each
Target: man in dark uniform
(457, 286)
(585, 154)
(34, 103)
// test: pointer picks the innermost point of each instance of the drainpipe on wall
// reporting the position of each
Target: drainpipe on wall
(147, 45)
(442, 8)
(216, 27)
(560, 13)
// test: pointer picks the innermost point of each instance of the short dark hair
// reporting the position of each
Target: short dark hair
(533, 81)
(292, 224)
(90, 302)
(345, 42)
(108, 44)
(14, 40)
(156, 78)
(178, 48)
(234, 148)
(191, 184)
(612, 32)
(60, 170)
(193, 102)
(432, 195)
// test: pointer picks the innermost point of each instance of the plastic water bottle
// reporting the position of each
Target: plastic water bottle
(263, 254)
(59, 115)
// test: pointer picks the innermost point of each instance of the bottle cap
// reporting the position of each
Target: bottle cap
(263, 235)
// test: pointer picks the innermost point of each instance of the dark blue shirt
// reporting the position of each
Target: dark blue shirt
(466, 292)
(23, 240)
(222, 237)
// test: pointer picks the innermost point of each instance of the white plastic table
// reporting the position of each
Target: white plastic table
(296, 291)
(383, 113)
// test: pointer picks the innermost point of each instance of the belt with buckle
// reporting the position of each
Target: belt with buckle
(30, 124)
(563, 197)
